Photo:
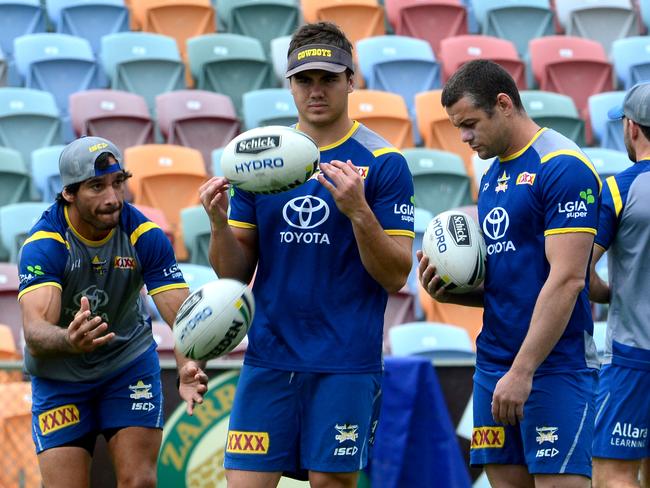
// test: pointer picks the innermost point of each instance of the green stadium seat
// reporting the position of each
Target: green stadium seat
(195, 226)
(555, 111)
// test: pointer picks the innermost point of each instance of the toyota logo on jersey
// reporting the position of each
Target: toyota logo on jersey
(496, 223)
(305, 213)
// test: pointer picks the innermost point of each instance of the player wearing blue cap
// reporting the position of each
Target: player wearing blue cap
(536, 360)
(623, 402)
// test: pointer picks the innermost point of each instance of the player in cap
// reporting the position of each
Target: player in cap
(327, 253)
(621, 443)
(89, 348)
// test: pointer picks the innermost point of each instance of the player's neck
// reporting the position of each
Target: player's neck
(326, 135)
(521, 136)
(83, 228)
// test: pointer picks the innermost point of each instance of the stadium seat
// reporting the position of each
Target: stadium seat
(29, 119)
(608, 133)
(607, 162)
(216, 162)
(230, 64)
(432, 340)
(422, 218)
(196, 234)
(603, 21)
(429, 20)
(16, 220)
(143, 63)
(480, 166)
(436, 129)
(631, 58)
(357, 18)
(14, 177)
(4, 68)
(516, 21)
(160, 170)
(119, 116)
(385, 113)
(162, 333)
(18, 18)
(90, 19)
(196, 275)
(264, 20)
(196, 118)
(10, 313)
(271, 106)
(398, 64)
(439, 178)
(456, 51)
(279, 55)
(157, 217)
(555, 111)
(45, 171)
(644, 8)
(572, 66)
(8, 349)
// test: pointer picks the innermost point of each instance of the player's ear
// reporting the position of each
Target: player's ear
(67, 196)
(504, 103)
(350, 82)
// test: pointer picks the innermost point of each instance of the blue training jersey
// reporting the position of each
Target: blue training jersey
(624, 231)
(548, 187)
(317, 308)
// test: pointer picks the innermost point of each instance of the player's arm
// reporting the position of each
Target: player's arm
(232, 251)
(434, 285)
(41, 309)
(598, 289)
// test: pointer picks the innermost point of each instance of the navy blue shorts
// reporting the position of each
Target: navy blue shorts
(65, 411)
(284, 421)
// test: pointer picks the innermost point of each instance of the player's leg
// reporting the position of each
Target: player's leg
(644, 475)
(561, 480)
(318, 479)
(615, 473)
(65, 467)
(134, 451)
(509, 476)
(264, 428)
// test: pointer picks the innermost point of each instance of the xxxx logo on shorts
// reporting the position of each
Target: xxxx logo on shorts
(248, 442)
(58, 418)
(488, 437)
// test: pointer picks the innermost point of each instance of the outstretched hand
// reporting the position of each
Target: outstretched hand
(86, 333)
(192, 385)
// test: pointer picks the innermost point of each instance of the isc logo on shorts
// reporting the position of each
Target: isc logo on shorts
(488, 437)
(248, 442)
(58, 418)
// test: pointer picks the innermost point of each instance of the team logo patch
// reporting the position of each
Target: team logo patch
(363, 171)
(99, 265)
(546, 434)
(526, 178)
(140, 390)
(346, 432)
(124, 262)
(488, 437)
(58, 418)
(502, 183)
(248, 442)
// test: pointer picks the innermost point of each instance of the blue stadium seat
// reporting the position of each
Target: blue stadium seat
(644, 7)
(14, 177)
(631, 60)
(398, 64)
(609, 133)
(555, 111)
(29, 119)
(196, 234)
(143, 63)
(45, 171)
(230, 64)
(216, 162)
(279, 54)
(17, 18)
(16, 220)
(270, 106)
(607, 162)
(4, 68)
(432, 340)
(518, 21)
(90, 19)
(196, 275)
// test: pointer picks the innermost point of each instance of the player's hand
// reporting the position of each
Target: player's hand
(429, 280)
(345, 184)
(193, 384)
(214, 197)
(510, 395)
(86, 333)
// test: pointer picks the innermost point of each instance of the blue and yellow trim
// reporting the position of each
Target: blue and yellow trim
(616, 194)
(42, 234)
(141, 229)
(87, 242)
(523, 149)
(577, 155)
(40, 285)
(353, 129)
(385, 150)
(400, 232)
(569, 230)
(173, 286)
(241, 225)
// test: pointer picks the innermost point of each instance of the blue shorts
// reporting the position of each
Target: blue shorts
(285, 421)
(622, 413)
(555, 436)
(64, 411)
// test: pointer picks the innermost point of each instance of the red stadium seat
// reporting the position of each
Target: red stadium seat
(10, 313)
(157, 216)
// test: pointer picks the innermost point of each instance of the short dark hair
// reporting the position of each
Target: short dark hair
(320, 33)
(482, 80)
(646, 130)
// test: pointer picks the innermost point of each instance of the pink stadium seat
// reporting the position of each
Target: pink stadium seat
(157, 216)
(10, 313)
(164, 337)
(195, 118)
(119, 116)
(572, 66)
(456, 51)
(430, 20)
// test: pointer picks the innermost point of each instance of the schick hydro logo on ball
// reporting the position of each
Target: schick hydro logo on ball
(256, 145)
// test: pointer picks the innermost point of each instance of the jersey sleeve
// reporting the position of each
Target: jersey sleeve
(159, 267)
(570, 195)
(392, 200)
(241, 211)
(610, 209)
(42, 261)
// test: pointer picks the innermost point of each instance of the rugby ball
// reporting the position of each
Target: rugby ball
(455, 246)
(214, 319)
(270, 159)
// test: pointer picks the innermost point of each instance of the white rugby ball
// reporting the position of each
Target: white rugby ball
(214, 319)
(270, 159)
(455, 246)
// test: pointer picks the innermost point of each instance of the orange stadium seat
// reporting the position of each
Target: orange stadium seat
(456, 51)
(383, 112)
(166, 177)
(572, 66)
(8, 350)
(430, 20)
(357, 18)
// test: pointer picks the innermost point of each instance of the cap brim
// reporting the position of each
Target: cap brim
(321, 65)
(615, 113)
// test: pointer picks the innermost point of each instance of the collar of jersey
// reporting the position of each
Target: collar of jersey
(523, 149)
(355, 126)
(88, 242)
